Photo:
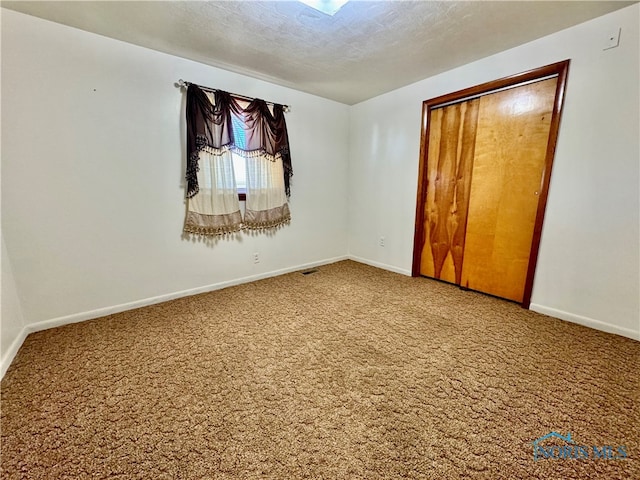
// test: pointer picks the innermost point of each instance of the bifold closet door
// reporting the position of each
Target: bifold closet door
(452, 134)
(485, 169)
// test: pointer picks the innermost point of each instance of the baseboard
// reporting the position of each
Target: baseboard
(101, 312)
(383, 266)
(552, 312)
(586, 321)
(12, 351)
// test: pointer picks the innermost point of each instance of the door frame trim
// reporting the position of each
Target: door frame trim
(559, 69)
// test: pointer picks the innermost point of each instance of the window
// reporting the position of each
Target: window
(240, 172)
(237, 149)
(239, 162)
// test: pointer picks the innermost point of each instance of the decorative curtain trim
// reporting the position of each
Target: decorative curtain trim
(209, 225)
(265, 219)
(210, 126)
(214, 225)
(241, 152)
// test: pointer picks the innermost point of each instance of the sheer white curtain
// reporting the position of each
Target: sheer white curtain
(267, 205)
(215, 209)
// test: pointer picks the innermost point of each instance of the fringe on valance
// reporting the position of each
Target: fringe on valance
(241, 152)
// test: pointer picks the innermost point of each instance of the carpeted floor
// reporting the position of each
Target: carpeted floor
(348, 373)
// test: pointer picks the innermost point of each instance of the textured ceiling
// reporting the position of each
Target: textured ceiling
(367, 48)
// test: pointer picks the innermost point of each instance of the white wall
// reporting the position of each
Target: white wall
(92, 169)
(588, 267)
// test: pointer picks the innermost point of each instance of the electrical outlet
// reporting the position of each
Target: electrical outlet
(256, 258)
(381, 242)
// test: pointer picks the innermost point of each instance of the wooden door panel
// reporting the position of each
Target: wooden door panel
(508, 169)
(451, 146)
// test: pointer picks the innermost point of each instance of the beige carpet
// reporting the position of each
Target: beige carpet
(348, 373)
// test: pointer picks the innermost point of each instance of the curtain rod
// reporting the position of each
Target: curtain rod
(182, 84)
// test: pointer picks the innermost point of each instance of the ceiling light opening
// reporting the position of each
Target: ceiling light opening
(328, 7)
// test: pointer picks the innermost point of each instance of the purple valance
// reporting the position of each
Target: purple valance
(210, 126)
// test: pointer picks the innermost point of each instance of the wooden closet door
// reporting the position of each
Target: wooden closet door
(452, 136)
(486, 154)
(507, 176)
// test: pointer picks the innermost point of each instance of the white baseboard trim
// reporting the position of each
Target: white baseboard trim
(585, 321)
(12, 351)
(383, 266)
(10, 354)
(101, 312)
